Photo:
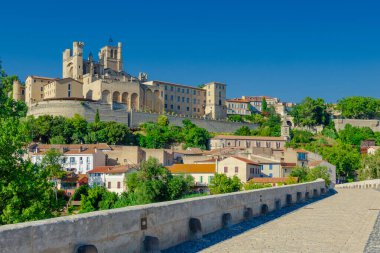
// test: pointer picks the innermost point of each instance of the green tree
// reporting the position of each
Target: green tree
(81, 190)
(359, 107)
(235, 118)
(253, 186)
(370, 167)
(264, 105)
(162, 120)
(220, 183)
(59, 139)
(51, 162)
(97, 117)
(243, 131)
(310, 112)
(301, 173)
(354, 135)
(319, 172)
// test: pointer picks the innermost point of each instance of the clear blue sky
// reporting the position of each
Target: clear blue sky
(284, 48)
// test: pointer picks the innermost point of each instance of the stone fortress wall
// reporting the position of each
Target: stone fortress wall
(68, 108)
(147, 228)
(371, 123)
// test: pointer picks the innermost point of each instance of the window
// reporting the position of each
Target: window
(171, 97)
(225, 169)
(187, 100)
(42, 88)
(171, 88)
(166, 97)
(171, 107)
(187, 91)
(109, 185)
(236, 169)
(194, 101)
(183, 90)
(201, 179)
(178, 107)
(183, 99)
(81, 160)
(195, 109)
(302, 156)
(118, 185)
(178, 99)
(270, 166)
(187, 109)
(210, 178)
(88, 159)
(69, 86)
(270, 175)
(195, 92)
(72, 159)
(178, 90)
(69, 93)
(166, 87)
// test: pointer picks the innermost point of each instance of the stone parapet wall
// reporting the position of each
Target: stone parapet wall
(128, 229)
(367, 184)
(373, 124)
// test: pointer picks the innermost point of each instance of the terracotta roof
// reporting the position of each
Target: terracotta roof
(245, 160)
(191, 168)
(237, 100)
(271, 180)
(110, 169)
(206, 161)
(288, 165)
(190, 151)
(238, 137)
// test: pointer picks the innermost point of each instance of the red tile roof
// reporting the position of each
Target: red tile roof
(110, 169)
(191, 168)
(245, 160)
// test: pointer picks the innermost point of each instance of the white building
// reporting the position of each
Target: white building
(111, 177)
(75, 157)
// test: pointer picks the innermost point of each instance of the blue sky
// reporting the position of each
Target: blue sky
(284, 48)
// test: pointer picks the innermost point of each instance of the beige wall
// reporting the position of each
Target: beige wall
(244, 171)
(215, 100)
(63, 88)
(246, 143)
(238, 108)
(34, 89)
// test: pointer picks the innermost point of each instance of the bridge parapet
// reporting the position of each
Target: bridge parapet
(366, 184)
(152, 227)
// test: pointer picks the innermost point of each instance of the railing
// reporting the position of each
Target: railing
(366, 184)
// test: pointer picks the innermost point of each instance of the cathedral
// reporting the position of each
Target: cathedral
(105, 81)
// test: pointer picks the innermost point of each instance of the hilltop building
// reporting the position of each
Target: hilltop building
(105, 81)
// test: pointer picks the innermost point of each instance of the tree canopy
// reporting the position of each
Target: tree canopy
(359, 107)
(310, 112)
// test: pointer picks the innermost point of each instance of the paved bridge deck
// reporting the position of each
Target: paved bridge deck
(343, 222)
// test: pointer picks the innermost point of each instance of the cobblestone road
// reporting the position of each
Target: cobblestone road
(343, 222)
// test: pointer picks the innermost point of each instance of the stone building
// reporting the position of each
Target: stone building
(104, 81)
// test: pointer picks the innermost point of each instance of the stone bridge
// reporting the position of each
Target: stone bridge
(295, 218)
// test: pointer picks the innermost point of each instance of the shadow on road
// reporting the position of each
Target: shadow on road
(237, 229)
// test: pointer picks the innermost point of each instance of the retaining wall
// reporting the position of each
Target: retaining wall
(374, 184)
(126, 229)
(373, 124)
(137, 118)
(68, 108)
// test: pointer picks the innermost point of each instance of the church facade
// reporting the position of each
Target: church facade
(105, 81)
